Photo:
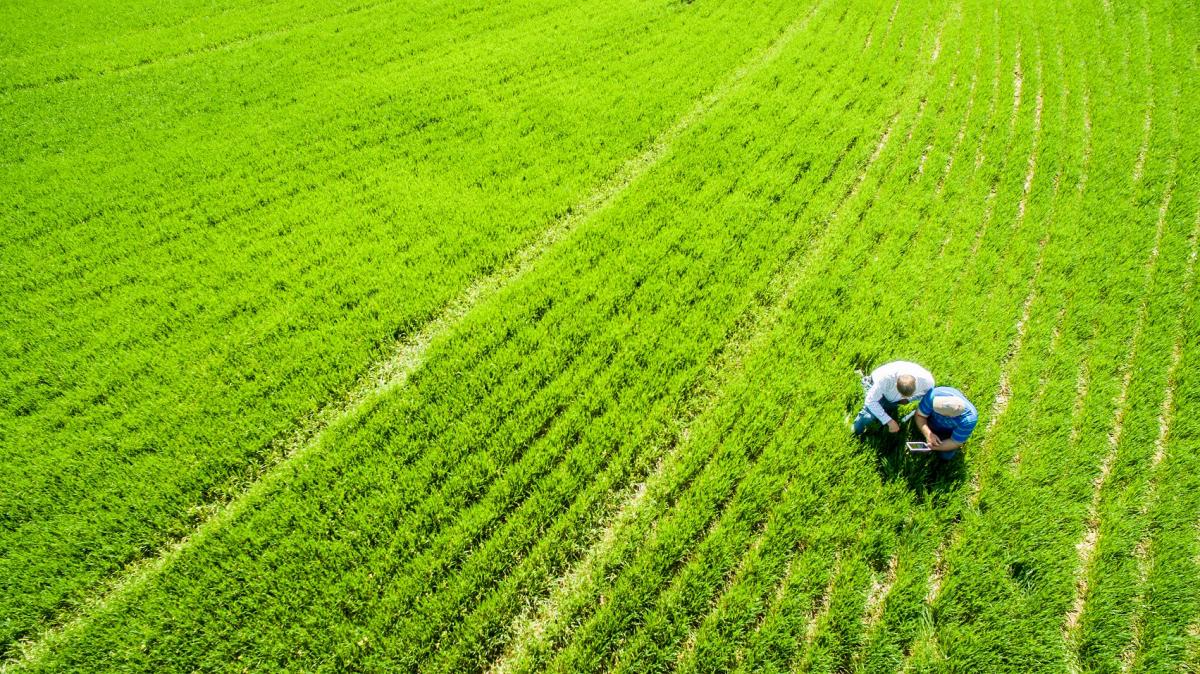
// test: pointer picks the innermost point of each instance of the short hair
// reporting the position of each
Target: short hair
(906, 384)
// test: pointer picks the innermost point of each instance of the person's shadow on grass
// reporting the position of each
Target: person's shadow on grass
(922, 473)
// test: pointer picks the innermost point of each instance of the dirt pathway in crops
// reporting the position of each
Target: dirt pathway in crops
(530, 627)
(1004, 391)
(1087, 544)
(1143, 552)
(1004, 388)
(406, 356)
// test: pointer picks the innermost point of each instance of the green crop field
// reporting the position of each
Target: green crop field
(518, 336)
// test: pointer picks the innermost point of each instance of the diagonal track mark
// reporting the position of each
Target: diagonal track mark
(1143, 552)
(1087, 544)
(783, 286)
(231, 44)
(393, 371)
(817, 615)
(1004, 392)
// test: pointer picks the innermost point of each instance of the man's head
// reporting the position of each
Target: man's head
(949, 406)
(906, 384)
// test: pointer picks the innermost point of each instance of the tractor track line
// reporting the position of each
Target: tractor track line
(231, 44)
(1087, 139)
(784, 284)
(877, 594)
(891, 20)
(688, 648)
(818, 612)
(922, 106)
(1018, 85)
(1004, 392)
(1144, 551)
(962, 132)
(1044, 379)
(1032, 166)
(1091, 535)
(406, 356)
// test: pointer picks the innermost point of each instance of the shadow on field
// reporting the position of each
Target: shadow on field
(921, 473)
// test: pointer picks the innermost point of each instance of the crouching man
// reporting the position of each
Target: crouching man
(946, 418)
(887, 388)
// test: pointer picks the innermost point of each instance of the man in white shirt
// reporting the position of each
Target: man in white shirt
(887, 388)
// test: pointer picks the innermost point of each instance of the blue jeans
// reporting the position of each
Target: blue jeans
(866, 421)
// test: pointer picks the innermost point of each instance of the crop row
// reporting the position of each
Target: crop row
(199, 255)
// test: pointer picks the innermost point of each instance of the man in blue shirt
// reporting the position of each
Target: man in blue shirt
(946, 418)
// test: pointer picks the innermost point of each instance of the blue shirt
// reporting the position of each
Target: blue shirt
(961, 426)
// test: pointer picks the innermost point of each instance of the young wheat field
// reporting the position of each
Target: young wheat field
(520, 336)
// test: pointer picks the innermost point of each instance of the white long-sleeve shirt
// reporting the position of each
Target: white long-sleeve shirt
(883, 386)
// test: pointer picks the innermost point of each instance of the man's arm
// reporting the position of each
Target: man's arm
(922, 423)
(948, 445)
(874, 395)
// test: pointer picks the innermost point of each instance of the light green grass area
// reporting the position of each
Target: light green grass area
(514, 337)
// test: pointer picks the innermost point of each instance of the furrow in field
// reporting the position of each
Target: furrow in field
(577, 581)
(929, 145)
(1018, 84)
(1032, 166)
(994, 102)
(962, 132)
(1144, 550)
(1044, 378)
(880, 587)
(1087, 140)
(1081, 379)
(817, 614)
(1150, 75)
(891, 20)
(406, 356)
(1140, 165)
(1087, 544)
(688, 649)
(1004, 390)
(640, 651)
